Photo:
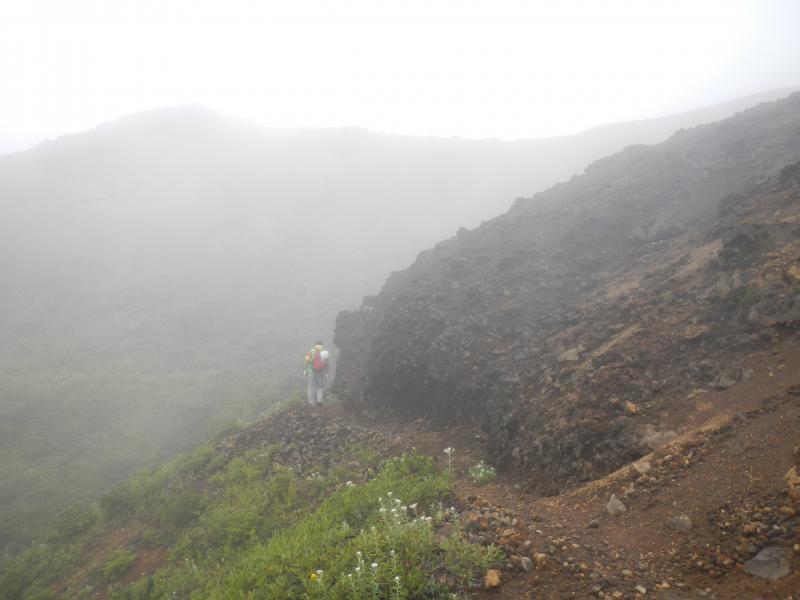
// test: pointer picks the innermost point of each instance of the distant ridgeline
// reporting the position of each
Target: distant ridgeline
(564, 327)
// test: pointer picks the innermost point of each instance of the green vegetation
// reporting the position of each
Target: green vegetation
(481, 473)
(118, 564)
(67, 435)
(242, 525)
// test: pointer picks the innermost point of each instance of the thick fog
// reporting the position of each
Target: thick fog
(512, 69)
(163, 274)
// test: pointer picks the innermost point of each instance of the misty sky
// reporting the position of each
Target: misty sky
(472, 68)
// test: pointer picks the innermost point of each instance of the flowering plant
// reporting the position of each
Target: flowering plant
(481, 473)
(449, 451)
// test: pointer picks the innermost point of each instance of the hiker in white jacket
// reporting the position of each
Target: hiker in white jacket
(316, 371)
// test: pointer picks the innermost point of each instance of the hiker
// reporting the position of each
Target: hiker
(316, 372)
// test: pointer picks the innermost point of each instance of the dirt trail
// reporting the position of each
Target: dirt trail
(728, 463)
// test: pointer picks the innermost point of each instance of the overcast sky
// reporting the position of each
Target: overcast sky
(471, 68)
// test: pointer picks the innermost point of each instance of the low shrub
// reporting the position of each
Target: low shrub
(118, 564)
(74, 522)
(29, 575)
(363, 541)
(481, 473)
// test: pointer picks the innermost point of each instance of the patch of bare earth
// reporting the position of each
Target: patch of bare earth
(724, 471)
(90, 575)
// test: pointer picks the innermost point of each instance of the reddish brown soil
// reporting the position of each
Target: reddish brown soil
(743, 457)
(148, 561)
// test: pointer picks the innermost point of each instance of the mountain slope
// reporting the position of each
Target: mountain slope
(313, 503)
(159, 278)
(573, 328)
(657, 130)
(640, 312)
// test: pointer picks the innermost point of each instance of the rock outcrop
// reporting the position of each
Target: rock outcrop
(563, 328)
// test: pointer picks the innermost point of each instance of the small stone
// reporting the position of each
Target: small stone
(492, 579)
(540, 559)
(793, 484)
(571, 355)
(771, 563)
(750, 528)
(615, 507)
(723, 382)
(626, 573)
(527, 563)
(658, 439)
(641, 589)
(642, 466)
(593, 524)
(680, 523)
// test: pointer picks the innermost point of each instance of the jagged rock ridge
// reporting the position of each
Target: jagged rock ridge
(571, 328)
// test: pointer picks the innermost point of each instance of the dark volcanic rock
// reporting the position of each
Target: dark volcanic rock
(680, 523)
(560, 327)
(770, 563)
(307, 440)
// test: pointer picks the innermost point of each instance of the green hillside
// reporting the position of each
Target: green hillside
(335, 517)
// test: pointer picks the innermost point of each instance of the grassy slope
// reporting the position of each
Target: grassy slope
(241, 524)
(105, 425)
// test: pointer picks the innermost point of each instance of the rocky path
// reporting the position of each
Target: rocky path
(697, 511)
